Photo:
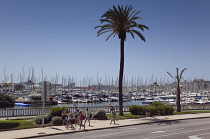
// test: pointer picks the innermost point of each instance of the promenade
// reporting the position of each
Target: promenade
(95, 125)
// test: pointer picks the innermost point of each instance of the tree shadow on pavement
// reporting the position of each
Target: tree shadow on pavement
(56, 128)
(162, 121)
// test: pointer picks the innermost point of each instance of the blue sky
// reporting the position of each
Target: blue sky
(59, 36)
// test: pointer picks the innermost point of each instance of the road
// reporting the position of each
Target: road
(182, 129)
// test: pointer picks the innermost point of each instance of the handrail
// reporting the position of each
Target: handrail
(14, 112)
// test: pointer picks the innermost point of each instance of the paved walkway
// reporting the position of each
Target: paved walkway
(95, 125)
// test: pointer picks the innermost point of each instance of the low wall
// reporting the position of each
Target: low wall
(196, 107)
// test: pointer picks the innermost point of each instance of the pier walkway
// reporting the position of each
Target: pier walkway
(95, 125)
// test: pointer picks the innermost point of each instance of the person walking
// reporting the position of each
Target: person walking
(70, 120)
(87, 116)
(81, 118)
(113, 115)
(76, 115)
(63, 115)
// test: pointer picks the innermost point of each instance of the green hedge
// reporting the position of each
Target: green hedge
(56, 111)
(6, 100)
(57, 120)
(156, 108)
(38, 119)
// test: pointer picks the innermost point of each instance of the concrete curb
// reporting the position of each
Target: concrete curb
(86, 130)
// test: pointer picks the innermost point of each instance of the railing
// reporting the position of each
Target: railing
(11, 112)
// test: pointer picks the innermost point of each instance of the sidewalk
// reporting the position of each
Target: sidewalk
(95, 125)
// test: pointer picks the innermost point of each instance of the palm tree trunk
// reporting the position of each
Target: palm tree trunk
(121, 77)
(178, 106)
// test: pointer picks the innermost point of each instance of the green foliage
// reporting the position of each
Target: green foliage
(15, 124)
(38, 119)
(156, 108)
(49, 116)
(99, 114)
(56, 111)
(6, 101)
(151, 110)
(138, 110)
(57, 120)
(142, 110)
(156, 104)
(134, 109)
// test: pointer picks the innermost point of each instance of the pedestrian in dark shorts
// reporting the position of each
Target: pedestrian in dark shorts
(76, 115)
(70, 120)
(80, 120)
(63, 115)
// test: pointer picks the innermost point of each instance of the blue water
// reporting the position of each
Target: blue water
(128, 103)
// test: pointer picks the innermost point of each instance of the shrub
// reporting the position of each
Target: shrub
(56, 111)
(99, 114)
(142, 110)
(6, 100)
(38, 119)
(134, 109)
(169, 110)
(57, 120)
(49, 116)
(151, 110)
(156, 104)
(161, 110)
(165, 110)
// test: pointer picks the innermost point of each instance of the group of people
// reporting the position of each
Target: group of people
(75, 118)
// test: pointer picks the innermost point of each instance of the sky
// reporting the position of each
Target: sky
(59, 37)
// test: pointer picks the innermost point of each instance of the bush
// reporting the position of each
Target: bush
(49, 116)
(56, 111)
(142, 110)
(151, 110)
(99, 114)
(134, 109)
(169, 110)
(161, 110)
(156, 104)
(38, 119)
(165, 110)
(6, 101)
(57, 120)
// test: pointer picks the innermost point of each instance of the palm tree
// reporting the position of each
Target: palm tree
(155, 85)
(177, 79)
(119, 21)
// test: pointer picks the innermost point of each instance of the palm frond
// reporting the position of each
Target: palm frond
(170, 75)
(103, 32)
(110, 36)
(182, 72)
(139, 34)
(132, 35)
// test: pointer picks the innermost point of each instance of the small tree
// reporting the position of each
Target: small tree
(177, 79)
(6, 101)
